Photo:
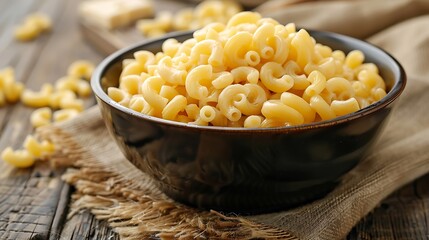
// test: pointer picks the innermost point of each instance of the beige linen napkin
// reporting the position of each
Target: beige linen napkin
(114, 190)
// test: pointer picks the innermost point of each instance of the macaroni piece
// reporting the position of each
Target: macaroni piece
(10, 90)
(77, 85)
(41, 117)
(38, 99)
(19, 158)
(58, 96)
(38, 149)
(33, 150)
(253, 121)
(248, 72)
(343, 107)
(81, 69)
(33, 26)
(185, 19)
(162, 23)
(65, 114)
(27, 32)
(70, 103)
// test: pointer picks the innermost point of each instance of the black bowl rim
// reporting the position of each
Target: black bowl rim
(393, 94)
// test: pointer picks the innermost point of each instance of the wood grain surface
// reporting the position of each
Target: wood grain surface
(33, 202)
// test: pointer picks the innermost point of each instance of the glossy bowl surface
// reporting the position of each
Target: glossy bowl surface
(246, 170)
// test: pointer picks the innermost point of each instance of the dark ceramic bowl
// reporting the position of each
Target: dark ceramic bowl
(246, 170)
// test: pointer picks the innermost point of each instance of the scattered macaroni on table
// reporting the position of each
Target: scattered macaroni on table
(250, 72)
(34, 25)
(189, 18)
(54, 102)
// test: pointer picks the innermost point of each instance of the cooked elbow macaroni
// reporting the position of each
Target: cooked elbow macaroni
(33, 26)
(81, 69)
(206, 12)
(62, 96)
(38, 149)
(10, 90)
(19, 158)
(65, 114)
(26, 157)
(41, 117)
(37, 99)
(250, 72)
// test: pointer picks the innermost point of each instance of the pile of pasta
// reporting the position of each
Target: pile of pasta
(251, 72)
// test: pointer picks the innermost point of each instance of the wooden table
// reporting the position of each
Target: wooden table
(33, 202)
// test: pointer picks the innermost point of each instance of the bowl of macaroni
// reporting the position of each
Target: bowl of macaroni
(249, 116)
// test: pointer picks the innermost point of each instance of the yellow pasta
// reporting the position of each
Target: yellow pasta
(378, 93)
(371, 79)
(26, 157)
(56, 97)
(162, 22)
(222, 79)
(172, 109)
(120, 96)
(19, 158)
(41, 117)
(81, 69)
(276, 110)
(321, 107)
(230, 95)
(247, 72)
(150, 91)
(32, 27)
(300, 105)
(341, 88)
(169, 73)
(260, 40)
(10, 89)
(38, 149)
(72, 83)
(235, 49)
(207, 113)
(274, 78)
(168, 92)
(300, 81)
(196, 81)
(343, 107)
(38, 99)
(318, 83)
(213, 49)
(354, 59)
(68, 103)
(65, 114)
(303, 45)
(189, 18)
(253, 121)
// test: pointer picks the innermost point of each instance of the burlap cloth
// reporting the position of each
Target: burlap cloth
(112, 189)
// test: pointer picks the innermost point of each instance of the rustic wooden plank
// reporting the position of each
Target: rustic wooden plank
(86, 226)
(29, 199)
(60, 213)
(33, 202)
